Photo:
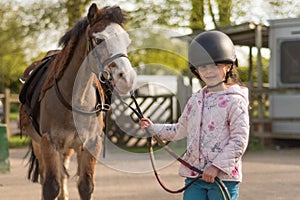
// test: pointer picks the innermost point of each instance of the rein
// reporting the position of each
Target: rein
(138, 112)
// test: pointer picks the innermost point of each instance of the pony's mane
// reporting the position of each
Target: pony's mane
(74, 33)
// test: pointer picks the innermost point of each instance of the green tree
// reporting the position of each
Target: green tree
(21, 27)
(27, 28)
(284, 8)
(75, 9)
(168, 13)
(222, 16)
(11, 51)
(197, 15)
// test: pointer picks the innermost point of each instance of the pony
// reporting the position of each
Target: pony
(67, 107)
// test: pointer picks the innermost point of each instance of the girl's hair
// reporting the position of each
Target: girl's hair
(233, 77)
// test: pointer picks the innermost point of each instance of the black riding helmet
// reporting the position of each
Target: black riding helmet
(211, 47)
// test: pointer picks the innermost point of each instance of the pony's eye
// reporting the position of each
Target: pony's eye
(98, 40)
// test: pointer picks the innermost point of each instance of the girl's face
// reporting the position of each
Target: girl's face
(213, 74)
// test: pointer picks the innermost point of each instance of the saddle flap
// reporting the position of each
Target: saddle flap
(36, 78)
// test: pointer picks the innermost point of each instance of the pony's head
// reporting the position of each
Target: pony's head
(108, 43)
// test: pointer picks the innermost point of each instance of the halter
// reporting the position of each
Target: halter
(104, 77)
(103, 74)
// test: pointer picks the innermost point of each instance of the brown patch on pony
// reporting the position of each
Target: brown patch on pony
(24, 120)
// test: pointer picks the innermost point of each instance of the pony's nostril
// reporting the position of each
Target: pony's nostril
(121, 75)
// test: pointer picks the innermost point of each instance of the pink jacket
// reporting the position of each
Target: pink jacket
(216, 125)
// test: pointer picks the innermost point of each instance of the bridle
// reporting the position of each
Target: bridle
(104, 77)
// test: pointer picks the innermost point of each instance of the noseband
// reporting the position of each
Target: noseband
(104, 76)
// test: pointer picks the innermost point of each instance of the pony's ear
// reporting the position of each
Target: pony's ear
(118, 16)
(92, 13)
(114, 14)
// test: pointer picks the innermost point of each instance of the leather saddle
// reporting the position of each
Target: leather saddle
(31, 90)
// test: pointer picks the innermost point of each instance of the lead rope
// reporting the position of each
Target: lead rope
(138, 112)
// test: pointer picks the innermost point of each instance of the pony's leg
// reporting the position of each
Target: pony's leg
(86, 171)
(64, 194)
(52, 169)
(37, 152)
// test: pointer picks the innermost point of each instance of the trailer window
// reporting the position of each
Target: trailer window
(290, 62)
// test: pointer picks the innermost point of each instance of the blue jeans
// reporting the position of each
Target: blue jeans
(201, 190)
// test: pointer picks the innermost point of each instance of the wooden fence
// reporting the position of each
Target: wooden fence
(7, 99)
(262, 120)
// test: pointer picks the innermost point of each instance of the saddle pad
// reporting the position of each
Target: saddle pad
(35, 78)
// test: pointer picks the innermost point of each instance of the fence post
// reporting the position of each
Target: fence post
(7, 111)
(258, 44)
(4, 150)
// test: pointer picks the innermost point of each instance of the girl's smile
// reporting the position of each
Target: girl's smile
(213, 74)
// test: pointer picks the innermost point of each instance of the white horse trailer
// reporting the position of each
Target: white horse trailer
(284, 72)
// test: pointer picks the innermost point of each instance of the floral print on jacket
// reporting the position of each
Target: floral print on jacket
(216, 125)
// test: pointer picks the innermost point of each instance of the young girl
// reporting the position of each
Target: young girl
(215, 119)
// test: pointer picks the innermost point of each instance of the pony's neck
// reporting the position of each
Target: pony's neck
(77, 59)
(75, 69)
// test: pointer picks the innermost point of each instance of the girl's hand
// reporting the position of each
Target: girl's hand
(210, 173)
(145, 122)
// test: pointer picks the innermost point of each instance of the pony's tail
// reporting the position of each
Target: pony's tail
(33, 170)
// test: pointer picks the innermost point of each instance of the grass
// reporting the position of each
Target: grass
(18, 142)
(14, 115)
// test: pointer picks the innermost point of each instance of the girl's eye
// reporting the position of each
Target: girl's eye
(98, 40)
